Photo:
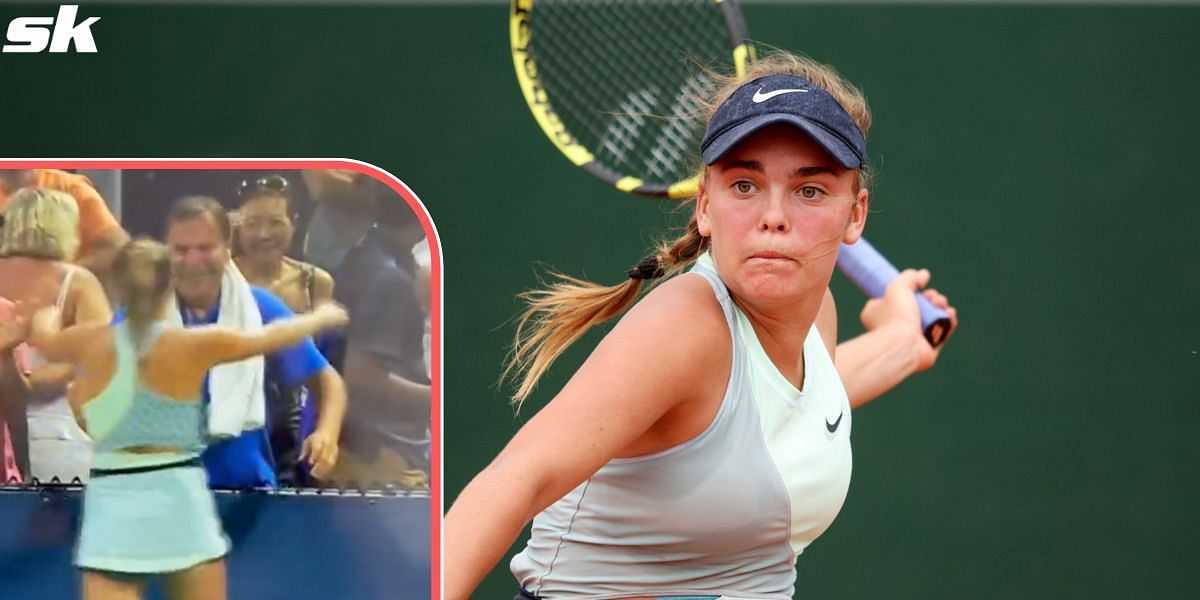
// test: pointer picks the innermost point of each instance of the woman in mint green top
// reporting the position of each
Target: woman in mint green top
(147, 510)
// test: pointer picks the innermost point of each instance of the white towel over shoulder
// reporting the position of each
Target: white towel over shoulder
(236, 399)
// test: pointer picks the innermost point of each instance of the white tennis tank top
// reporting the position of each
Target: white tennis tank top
(53, 418)
(725, 513)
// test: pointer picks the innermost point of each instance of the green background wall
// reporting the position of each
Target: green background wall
(1039, 160)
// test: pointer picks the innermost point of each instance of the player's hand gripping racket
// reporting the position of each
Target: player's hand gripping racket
(615, 85)
(872, 273)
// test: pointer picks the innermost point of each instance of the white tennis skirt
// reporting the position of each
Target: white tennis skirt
(156, 521)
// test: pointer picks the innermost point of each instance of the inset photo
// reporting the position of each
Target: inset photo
(214, 372)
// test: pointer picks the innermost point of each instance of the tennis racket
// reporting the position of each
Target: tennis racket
(613, 84)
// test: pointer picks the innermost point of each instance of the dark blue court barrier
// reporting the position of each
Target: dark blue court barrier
(285, 545)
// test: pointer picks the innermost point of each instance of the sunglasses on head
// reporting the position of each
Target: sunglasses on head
(270, 183)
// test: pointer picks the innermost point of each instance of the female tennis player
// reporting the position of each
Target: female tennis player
(706, 440)
(147, 509)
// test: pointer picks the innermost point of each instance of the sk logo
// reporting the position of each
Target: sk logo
(34, 34)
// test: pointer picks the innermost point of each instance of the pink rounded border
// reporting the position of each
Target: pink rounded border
(436, 283)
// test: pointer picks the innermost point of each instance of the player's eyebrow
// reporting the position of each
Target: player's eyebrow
(754, 165)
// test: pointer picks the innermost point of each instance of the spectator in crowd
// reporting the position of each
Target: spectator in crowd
(263, 234)
(100, 235)
(210, 289)
(264, 231)
(344, 209)
(387, 433)
(38, 243)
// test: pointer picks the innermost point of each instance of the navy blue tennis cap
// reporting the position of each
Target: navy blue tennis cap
(784, 99)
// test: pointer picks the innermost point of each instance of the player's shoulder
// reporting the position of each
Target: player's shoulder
(677, 332)
(683, 296)
(681, 309)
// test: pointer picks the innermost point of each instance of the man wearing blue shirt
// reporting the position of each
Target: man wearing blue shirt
(198, 232)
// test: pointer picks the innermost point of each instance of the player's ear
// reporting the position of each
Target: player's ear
(702, 221)
(858, 217)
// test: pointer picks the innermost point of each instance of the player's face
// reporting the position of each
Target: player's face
(777, 208)
(198, 259)
(266, 230)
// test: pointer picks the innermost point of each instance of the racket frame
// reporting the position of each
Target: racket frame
(521, 15)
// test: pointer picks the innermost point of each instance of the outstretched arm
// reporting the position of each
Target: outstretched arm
(893, 348)
(216, 345)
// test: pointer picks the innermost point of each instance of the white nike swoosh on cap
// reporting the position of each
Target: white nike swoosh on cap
(759, 96)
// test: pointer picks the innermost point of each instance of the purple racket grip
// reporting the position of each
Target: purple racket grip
(872, 273)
